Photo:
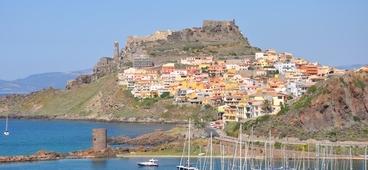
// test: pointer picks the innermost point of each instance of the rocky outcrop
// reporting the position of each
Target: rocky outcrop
(218, 38)
(335, 109)
(340, 102)
(104, 66)
(39, 156)
(80, 80)
(151, 139)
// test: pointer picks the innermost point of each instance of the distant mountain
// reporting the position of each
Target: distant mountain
(351, 67)
(36, 82)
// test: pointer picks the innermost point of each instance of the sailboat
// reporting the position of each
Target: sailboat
(187, 165)
(6, 132)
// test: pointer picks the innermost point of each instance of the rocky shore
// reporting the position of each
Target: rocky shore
(38, 156)
(48, 156)
(150, 139)
(95, 119)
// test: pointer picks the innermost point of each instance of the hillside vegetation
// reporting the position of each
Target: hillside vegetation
(102, 99)
(335, 109)
(216, 38)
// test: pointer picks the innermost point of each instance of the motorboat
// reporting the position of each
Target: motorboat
(182, 167)
(151, 162)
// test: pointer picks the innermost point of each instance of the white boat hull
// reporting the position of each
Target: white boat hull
(186, 168)
(147, 164)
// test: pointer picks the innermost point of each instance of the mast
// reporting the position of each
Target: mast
(182, 154)
(6, 123)
(252, 151)
(211, 163)
(365, 158)
(222, 147)
(350, 159)
(240, 148)
(188, 161)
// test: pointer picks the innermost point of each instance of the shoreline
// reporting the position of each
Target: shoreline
(112, 120)
(31, 159)
(230, 156)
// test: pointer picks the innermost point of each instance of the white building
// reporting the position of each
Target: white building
(285, 67)
(260, 55)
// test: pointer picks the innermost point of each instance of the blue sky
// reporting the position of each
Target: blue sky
(65, 35)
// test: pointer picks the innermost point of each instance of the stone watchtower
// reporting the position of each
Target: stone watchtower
(116, 54)
(99, 139)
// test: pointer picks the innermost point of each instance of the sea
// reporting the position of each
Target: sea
(30, 136)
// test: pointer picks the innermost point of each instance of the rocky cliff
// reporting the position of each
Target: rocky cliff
(340, 102)
(218, 38)
(336, 109)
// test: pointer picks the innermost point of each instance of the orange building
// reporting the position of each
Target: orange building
(167, 68)
(309, 69)
(191, 70)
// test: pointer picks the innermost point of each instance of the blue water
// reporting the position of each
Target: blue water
(87, 164)
(30, 136)
(131, 164)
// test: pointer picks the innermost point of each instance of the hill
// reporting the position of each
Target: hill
(102, 99)
(37, 82)
(335, 109)
(217, 38)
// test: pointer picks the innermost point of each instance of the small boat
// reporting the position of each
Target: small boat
(182, 167)
(151, 162)
(6, 132)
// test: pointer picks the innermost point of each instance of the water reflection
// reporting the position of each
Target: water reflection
(98, 164)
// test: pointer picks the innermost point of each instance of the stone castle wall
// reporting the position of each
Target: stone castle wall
(158, 35)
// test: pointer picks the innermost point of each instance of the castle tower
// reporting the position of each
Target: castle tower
(116, 54)
(99, 139)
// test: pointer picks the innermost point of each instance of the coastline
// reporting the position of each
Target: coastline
(228, 156)
(52, 156)
(144, 120)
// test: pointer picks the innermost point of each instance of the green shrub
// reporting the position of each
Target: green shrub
(360, 84)
(277, 145)
(312, 89)
(304, 101)
(263, 118)
(147, 103)
(284, 109)
(165, 95)
(356, 118)
(252, 123)
(232, 129)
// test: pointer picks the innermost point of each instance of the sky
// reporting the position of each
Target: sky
(67, 35)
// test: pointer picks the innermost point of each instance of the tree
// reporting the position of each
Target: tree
(165, 95)
(266, 106)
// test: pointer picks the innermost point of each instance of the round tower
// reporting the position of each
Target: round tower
(99, 139)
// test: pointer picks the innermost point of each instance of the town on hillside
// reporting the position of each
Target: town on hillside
(240, 88)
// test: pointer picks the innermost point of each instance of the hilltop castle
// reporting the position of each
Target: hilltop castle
(214, 38)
